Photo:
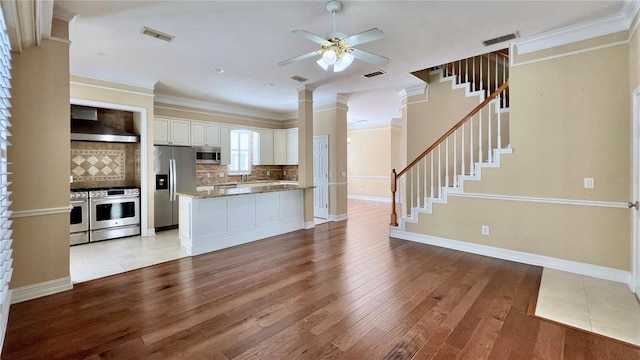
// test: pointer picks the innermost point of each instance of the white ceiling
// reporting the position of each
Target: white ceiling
(247, 39)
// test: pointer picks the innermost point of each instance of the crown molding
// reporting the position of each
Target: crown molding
(420, 89)
(611, 24)
(62, 14)
(209, 105)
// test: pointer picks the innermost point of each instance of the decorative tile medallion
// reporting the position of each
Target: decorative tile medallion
(97, 165)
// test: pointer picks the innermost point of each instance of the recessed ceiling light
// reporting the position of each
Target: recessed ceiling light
(218, 71)
(102, 53)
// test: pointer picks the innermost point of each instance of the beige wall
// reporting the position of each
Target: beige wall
(569, 119)
(369, 157)
(331, 120)
(40, 162)
(430, 119)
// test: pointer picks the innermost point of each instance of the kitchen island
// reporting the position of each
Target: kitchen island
(211, 220)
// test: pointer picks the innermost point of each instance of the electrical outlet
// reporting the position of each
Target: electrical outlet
(589, 183)
(221, 174)
(208, 175)
(268, 173)
(285, 173)
(70, 178)
(485, 229)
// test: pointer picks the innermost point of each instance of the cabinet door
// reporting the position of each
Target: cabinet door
(292, 146)
(225, 145)
(213, 135)
(180, 132)
(161, 131)
(280, 147)
(198, 132)
(266, 147)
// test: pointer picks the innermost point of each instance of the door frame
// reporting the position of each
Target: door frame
(326, 193)
(635, 177)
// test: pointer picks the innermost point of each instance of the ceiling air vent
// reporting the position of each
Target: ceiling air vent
(500, 39)
(375, 73)
(157, 34)
(299, 78)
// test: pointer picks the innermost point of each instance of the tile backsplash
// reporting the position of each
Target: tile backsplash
(209, 174)
(106, 164)
(102, 164)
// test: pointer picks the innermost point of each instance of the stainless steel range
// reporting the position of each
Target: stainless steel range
(79, 217)
(114, 213)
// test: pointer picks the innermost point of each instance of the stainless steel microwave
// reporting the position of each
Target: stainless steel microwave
(207, 155)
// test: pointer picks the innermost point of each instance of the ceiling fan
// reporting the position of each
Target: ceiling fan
(337, 49)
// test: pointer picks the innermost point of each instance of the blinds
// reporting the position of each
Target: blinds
(6, 260)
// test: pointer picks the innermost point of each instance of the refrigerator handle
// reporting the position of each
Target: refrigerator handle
(174, 179)
(170, 179)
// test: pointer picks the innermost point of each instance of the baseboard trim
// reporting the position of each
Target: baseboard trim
(596, 271)
(34, 291)
(309, 225)
(370, 198)
(340, 217)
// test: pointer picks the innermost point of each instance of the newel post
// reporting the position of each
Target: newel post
(394, 216)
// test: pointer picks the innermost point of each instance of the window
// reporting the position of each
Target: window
(240, 151)
(6, 260)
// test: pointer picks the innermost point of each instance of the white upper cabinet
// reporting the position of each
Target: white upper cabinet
(264, 149)
(205, 134)
(180, 132)
(280, 147)
(285, 146)
(171, 132)
(198, 133)
(161, 131)
(292, 146)
(213, 135)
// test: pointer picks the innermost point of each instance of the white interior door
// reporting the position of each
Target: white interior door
(635, 231)
(321, 176)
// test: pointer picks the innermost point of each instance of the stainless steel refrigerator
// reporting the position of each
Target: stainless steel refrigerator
(175, 171)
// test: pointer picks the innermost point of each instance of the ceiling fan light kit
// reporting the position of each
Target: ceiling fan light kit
(336, 50)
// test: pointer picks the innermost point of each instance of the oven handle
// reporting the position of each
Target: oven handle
(112, 197)
(78, 201)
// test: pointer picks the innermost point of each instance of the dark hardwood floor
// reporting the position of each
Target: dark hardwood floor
(340, 291)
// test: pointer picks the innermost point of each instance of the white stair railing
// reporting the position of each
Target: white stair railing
(484, 72)
(471, 141)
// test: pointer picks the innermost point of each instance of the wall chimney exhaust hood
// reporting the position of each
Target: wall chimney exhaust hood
(86, 127)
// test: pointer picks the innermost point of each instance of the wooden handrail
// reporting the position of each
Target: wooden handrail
(500, 54)
(455, 127)
(395, 176)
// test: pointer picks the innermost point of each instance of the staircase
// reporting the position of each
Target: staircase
(475, 142)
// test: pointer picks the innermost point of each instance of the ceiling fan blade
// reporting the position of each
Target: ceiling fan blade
(301, 57)
(363, 37)
(370, 58)
(307, 35)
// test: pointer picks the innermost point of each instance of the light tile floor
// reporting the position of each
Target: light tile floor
(104, 258)
(604, 307)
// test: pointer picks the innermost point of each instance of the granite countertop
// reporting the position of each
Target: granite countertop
(206, 194)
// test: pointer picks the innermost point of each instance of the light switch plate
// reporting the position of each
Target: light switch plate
(589, 183)
(485, 230)
(221, 174)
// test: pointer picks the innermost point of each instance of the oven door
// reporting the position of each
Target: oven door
(79, 217)
(114, 211)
